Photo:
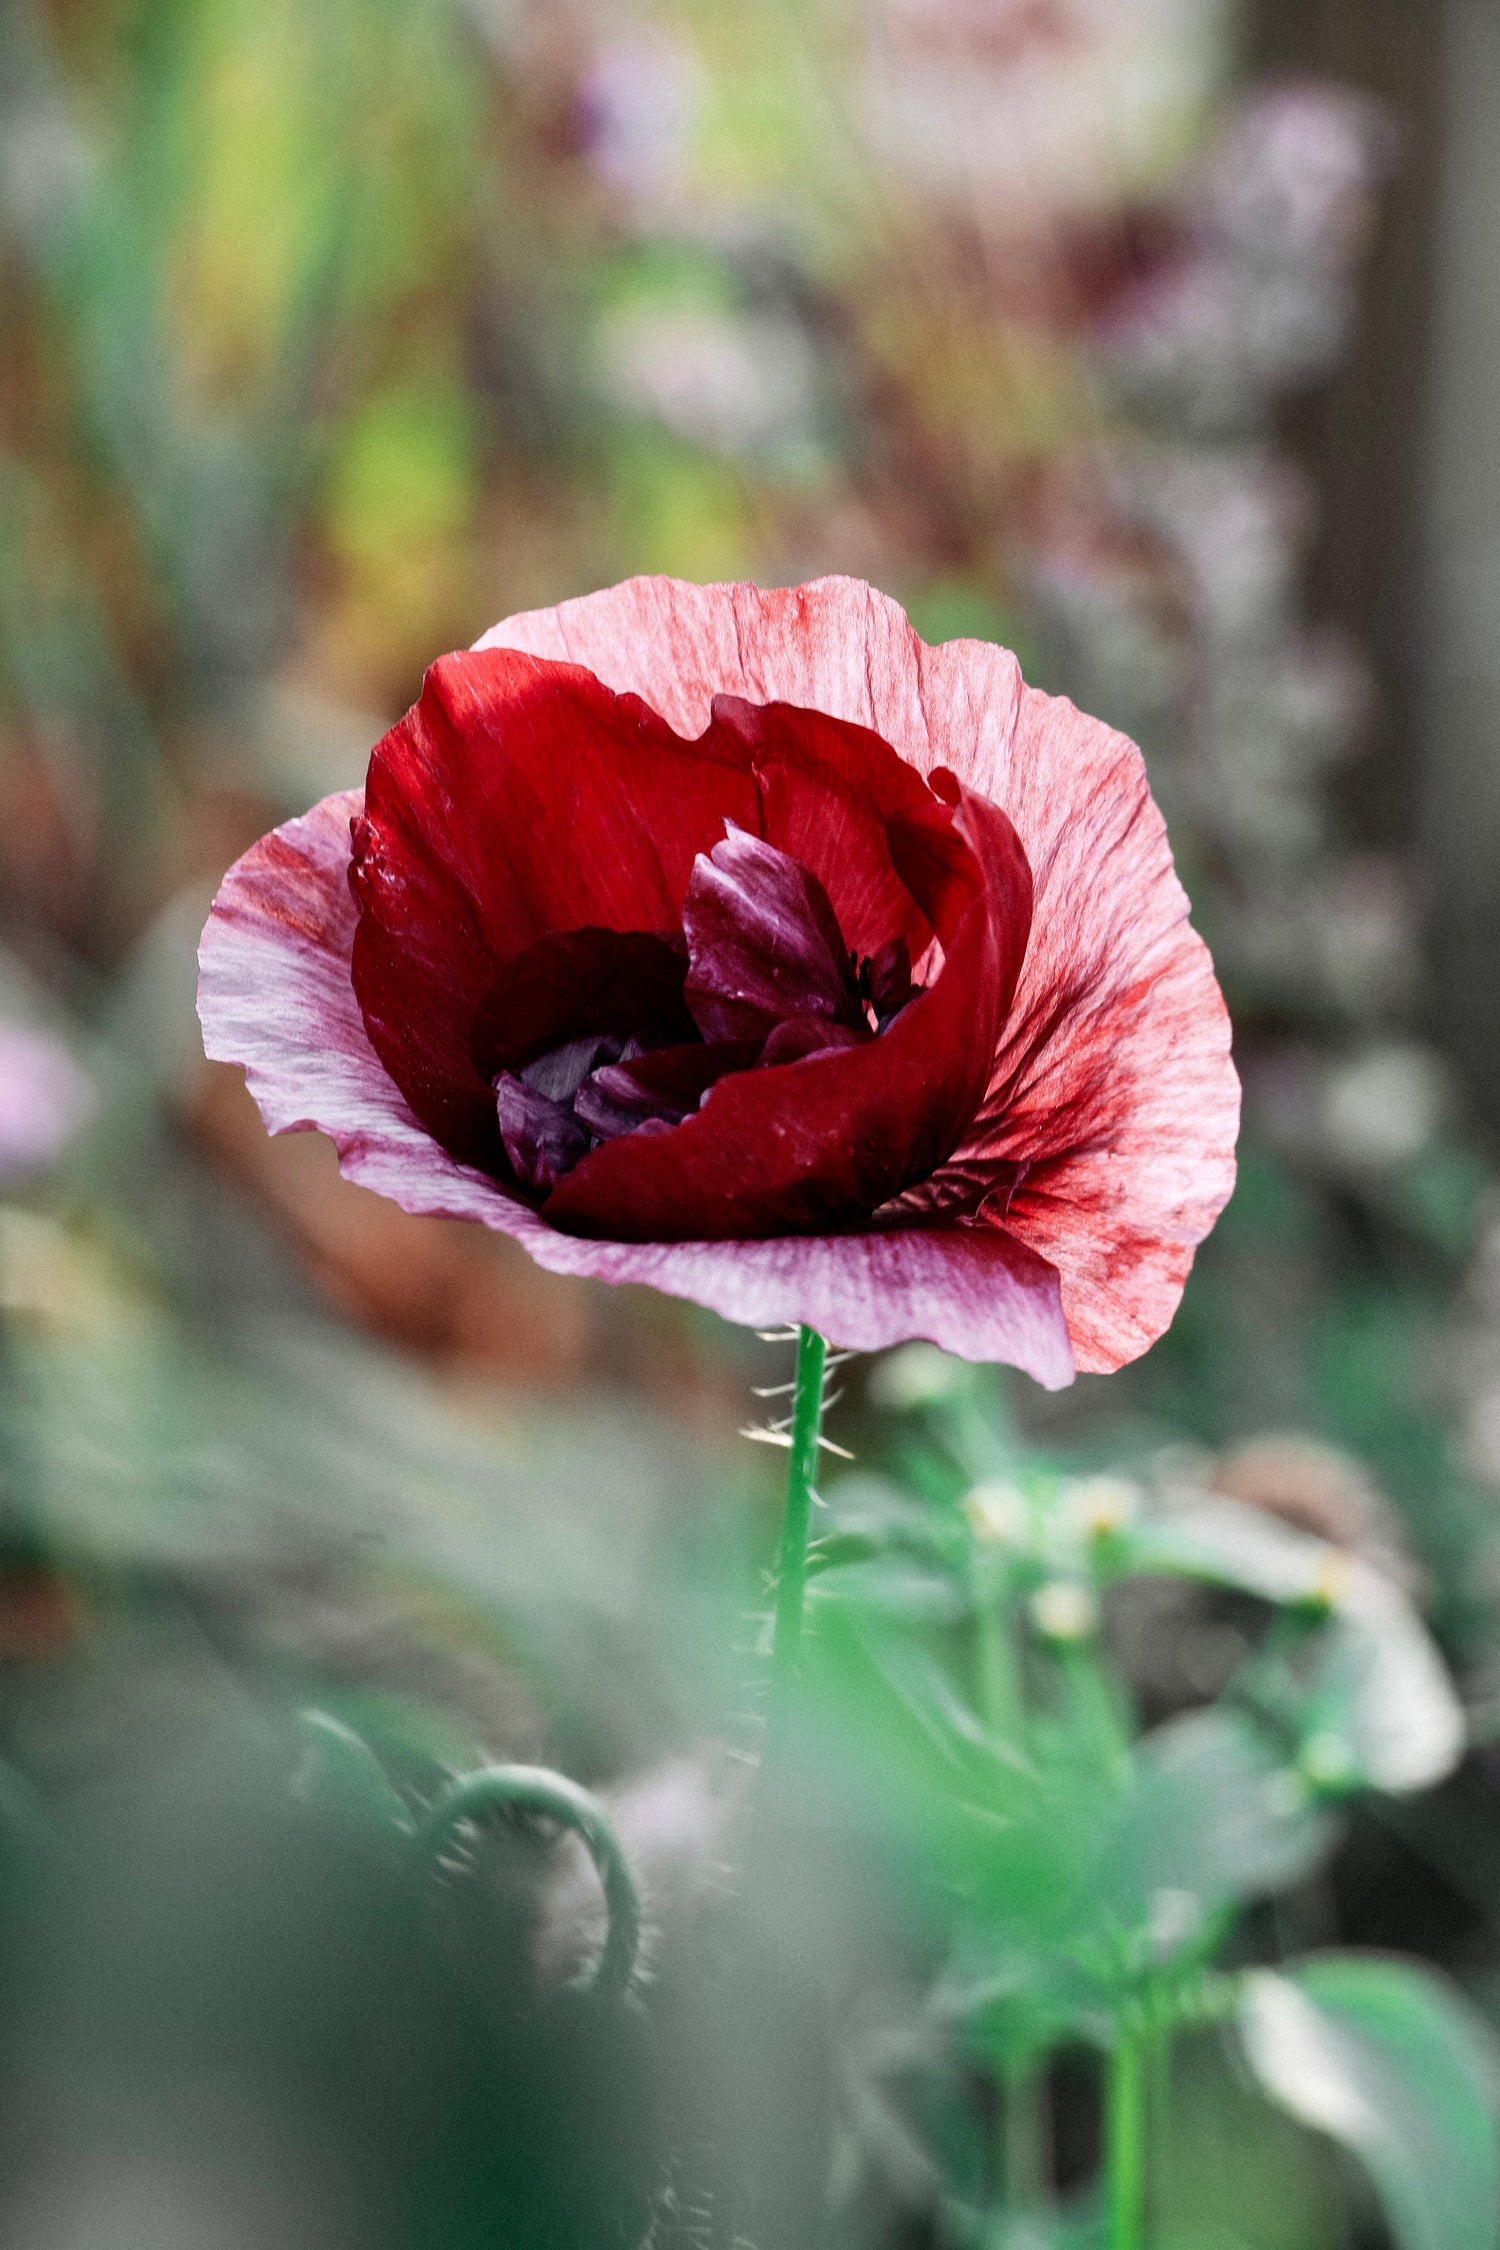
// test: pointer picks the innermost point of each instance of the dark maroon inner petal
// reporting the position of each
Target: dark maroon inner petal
(669, 1084)
(576, 984)
(808, 1035)
(885, 979)
(594, 1036)
(590, 1035)
(827, 1141)
(542, 1138)
(763, 941)
(562, 1070)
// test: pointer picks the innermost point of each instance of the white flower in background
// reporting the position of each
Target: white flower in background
(1260, 298)
(1094, 1507)
(997, 1513)
(1025, 111)
(44, 1097)
(738, 383)
(1065, 1611)
(639, 104)
(1235, 521)
(1293, 180)
(1384, 1107)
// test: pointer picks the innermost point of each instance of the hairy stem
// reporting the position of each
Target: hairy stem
(791, 1578)
(550, 1796)
(1125, 2144)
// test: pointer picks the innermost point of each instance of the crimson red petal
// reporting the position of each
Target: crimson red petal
(667, 1085)
(275, 996)
(514, 800)
(842, 804)
(1123, 1098)
(576, 982)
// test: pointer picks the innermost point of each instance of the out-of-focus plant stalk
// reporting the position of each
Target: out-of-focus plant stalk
(1158, 2099)
(997, 1673)
(791, 1577)
(1024, 2140)
(1125, 2143)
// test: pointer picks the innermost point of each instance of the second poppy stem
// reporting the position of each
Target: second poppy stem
(791, 1577)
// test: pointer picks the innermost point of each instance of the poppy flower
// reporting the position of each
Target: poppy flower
(736, 942)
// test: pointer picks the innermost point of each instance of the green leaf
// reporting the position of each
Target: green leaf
(1213, 1816)
(1390, 2062)
(1226, 1544)
(1382, 1711)
(340, 1772)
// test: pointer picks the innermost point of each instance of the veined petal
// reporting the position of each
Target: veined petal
(1113, 1082)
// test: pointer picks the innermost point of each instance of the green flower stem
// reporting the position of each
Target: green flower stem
(1125, 2144)
(1158, 2098)
(791, 1577)
(550, 1796)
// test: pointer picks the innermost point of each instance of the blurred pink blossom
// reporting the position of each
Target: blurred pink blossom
(1258, 298)
(1028, 111)
(43, 1098)
(638, 106)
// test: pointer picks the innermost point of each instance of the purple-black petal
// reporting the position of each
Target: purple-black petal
(562, 1070)
(542, 1139)
(763, 941)
(667, 1086)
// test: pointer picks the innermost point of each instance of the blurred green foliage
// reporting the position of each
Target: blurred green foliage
(332, 333)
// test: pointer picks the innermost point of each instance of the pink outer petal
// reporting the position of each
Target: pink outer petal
(275, 995)
(1115, 1081)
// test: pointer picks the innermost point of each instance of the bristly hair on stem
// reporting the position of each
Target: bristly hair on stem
(779, 1430)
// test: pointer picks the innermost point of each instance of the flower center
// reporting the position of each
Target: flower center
(593, 1033)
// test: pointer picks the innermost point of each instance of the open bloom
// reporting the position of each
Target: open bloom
(738, 943)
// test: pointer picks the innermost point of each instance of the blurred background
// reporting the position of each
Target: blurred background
(1153, 338)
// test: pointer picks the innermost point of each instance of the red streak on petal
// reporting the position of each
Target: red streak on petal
(1118, 1009)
